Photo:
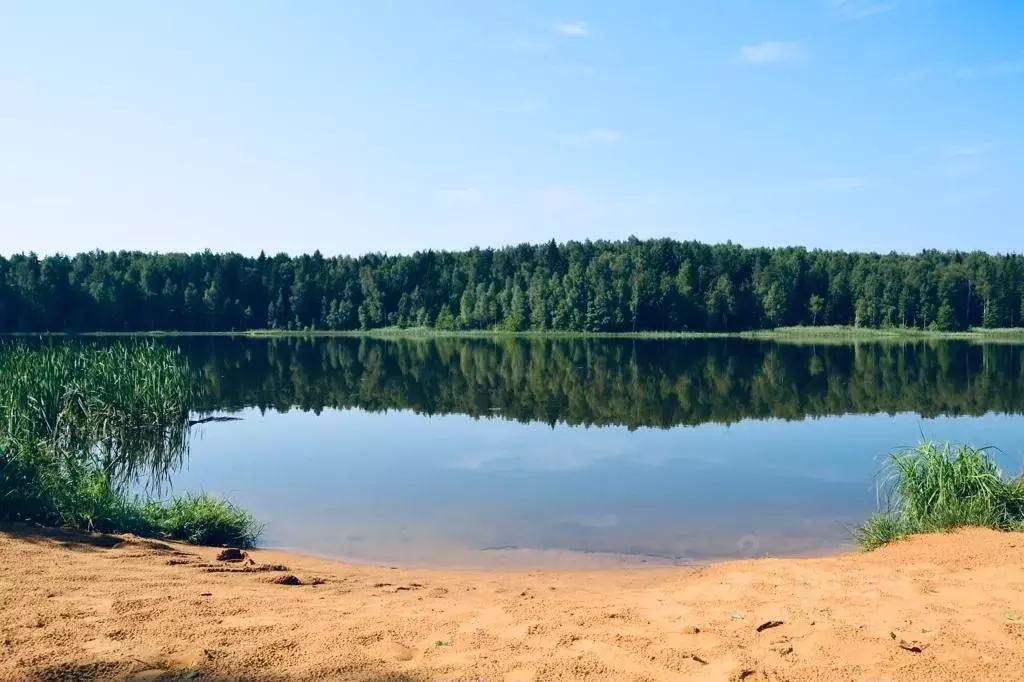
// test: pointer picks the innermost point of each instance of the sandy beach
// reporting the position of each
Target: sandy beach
(943, 607)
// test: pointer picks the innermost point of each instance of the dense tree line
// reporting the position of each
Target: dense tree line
(657, 285)
(608, 382)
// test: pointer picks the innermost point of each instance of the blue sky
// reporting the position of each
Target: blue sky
(398, 125)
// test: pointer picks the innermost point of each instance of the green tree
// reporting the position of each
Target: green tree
(516, 316)
(721, 304)
(467, 308)
(946, 320)
(445, 319)
(538, 303)
(816, 306)
(608, 286)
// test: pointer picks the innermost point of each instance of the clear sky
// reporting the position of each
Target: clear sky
(396, 125)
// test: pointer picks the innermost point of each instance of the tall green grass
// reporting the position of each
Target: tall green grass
(938, 487)
(123, 407)
(83, 425)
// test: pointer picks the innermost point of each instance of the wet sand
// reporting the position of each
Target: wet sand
(943, 607)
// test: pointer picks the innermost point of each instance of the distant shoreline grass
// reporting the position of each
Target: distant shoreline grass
(821, 334)
(939, 487)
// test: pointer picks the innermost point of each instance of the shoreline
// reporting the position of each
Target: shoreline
(947, 606)
(498, 559)
(795, 335)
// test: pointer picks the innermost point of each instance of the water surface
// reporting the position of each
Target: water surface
(486, 451)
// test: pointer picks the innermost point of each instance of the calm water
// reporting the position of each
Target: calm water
(480, 452)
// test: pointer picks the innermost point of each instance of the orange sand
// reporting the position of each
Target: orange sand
(72, 610)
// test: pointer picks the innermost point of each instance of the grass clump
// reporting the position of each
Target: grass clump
(93, 503)
(938, 487)
(205, 520)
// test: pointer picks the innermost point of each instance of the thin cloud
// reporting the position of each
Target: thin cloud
(963, 161)
(961, 150)
(912, 76)
(851, 10)
(562, 199)
(530, 106)
(573, 29)
(1005, 67)
(526, 45)
(466, 197)
(772, 52)
(959, 168)
(594, 136)
(570, 70)
(840, 183)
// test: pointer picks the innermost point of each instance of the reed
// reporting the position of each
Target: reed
(81, 426)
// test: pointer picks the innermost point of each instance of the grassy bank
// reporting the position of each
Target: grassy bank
(82, 427)
(806, 334)
(847, 334)
(934, 488)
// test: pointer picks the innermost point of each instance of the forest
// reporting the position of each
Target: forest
(585, 382)
(624, 286)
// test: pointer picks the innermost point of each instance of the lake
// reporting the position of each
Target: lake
(536, 452)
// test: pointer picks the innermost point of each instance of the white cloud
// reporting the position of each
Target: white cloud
(594, 136)
(850, 10)
(467, 197)
(574, 29)
(772, 52)
(840, 183)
